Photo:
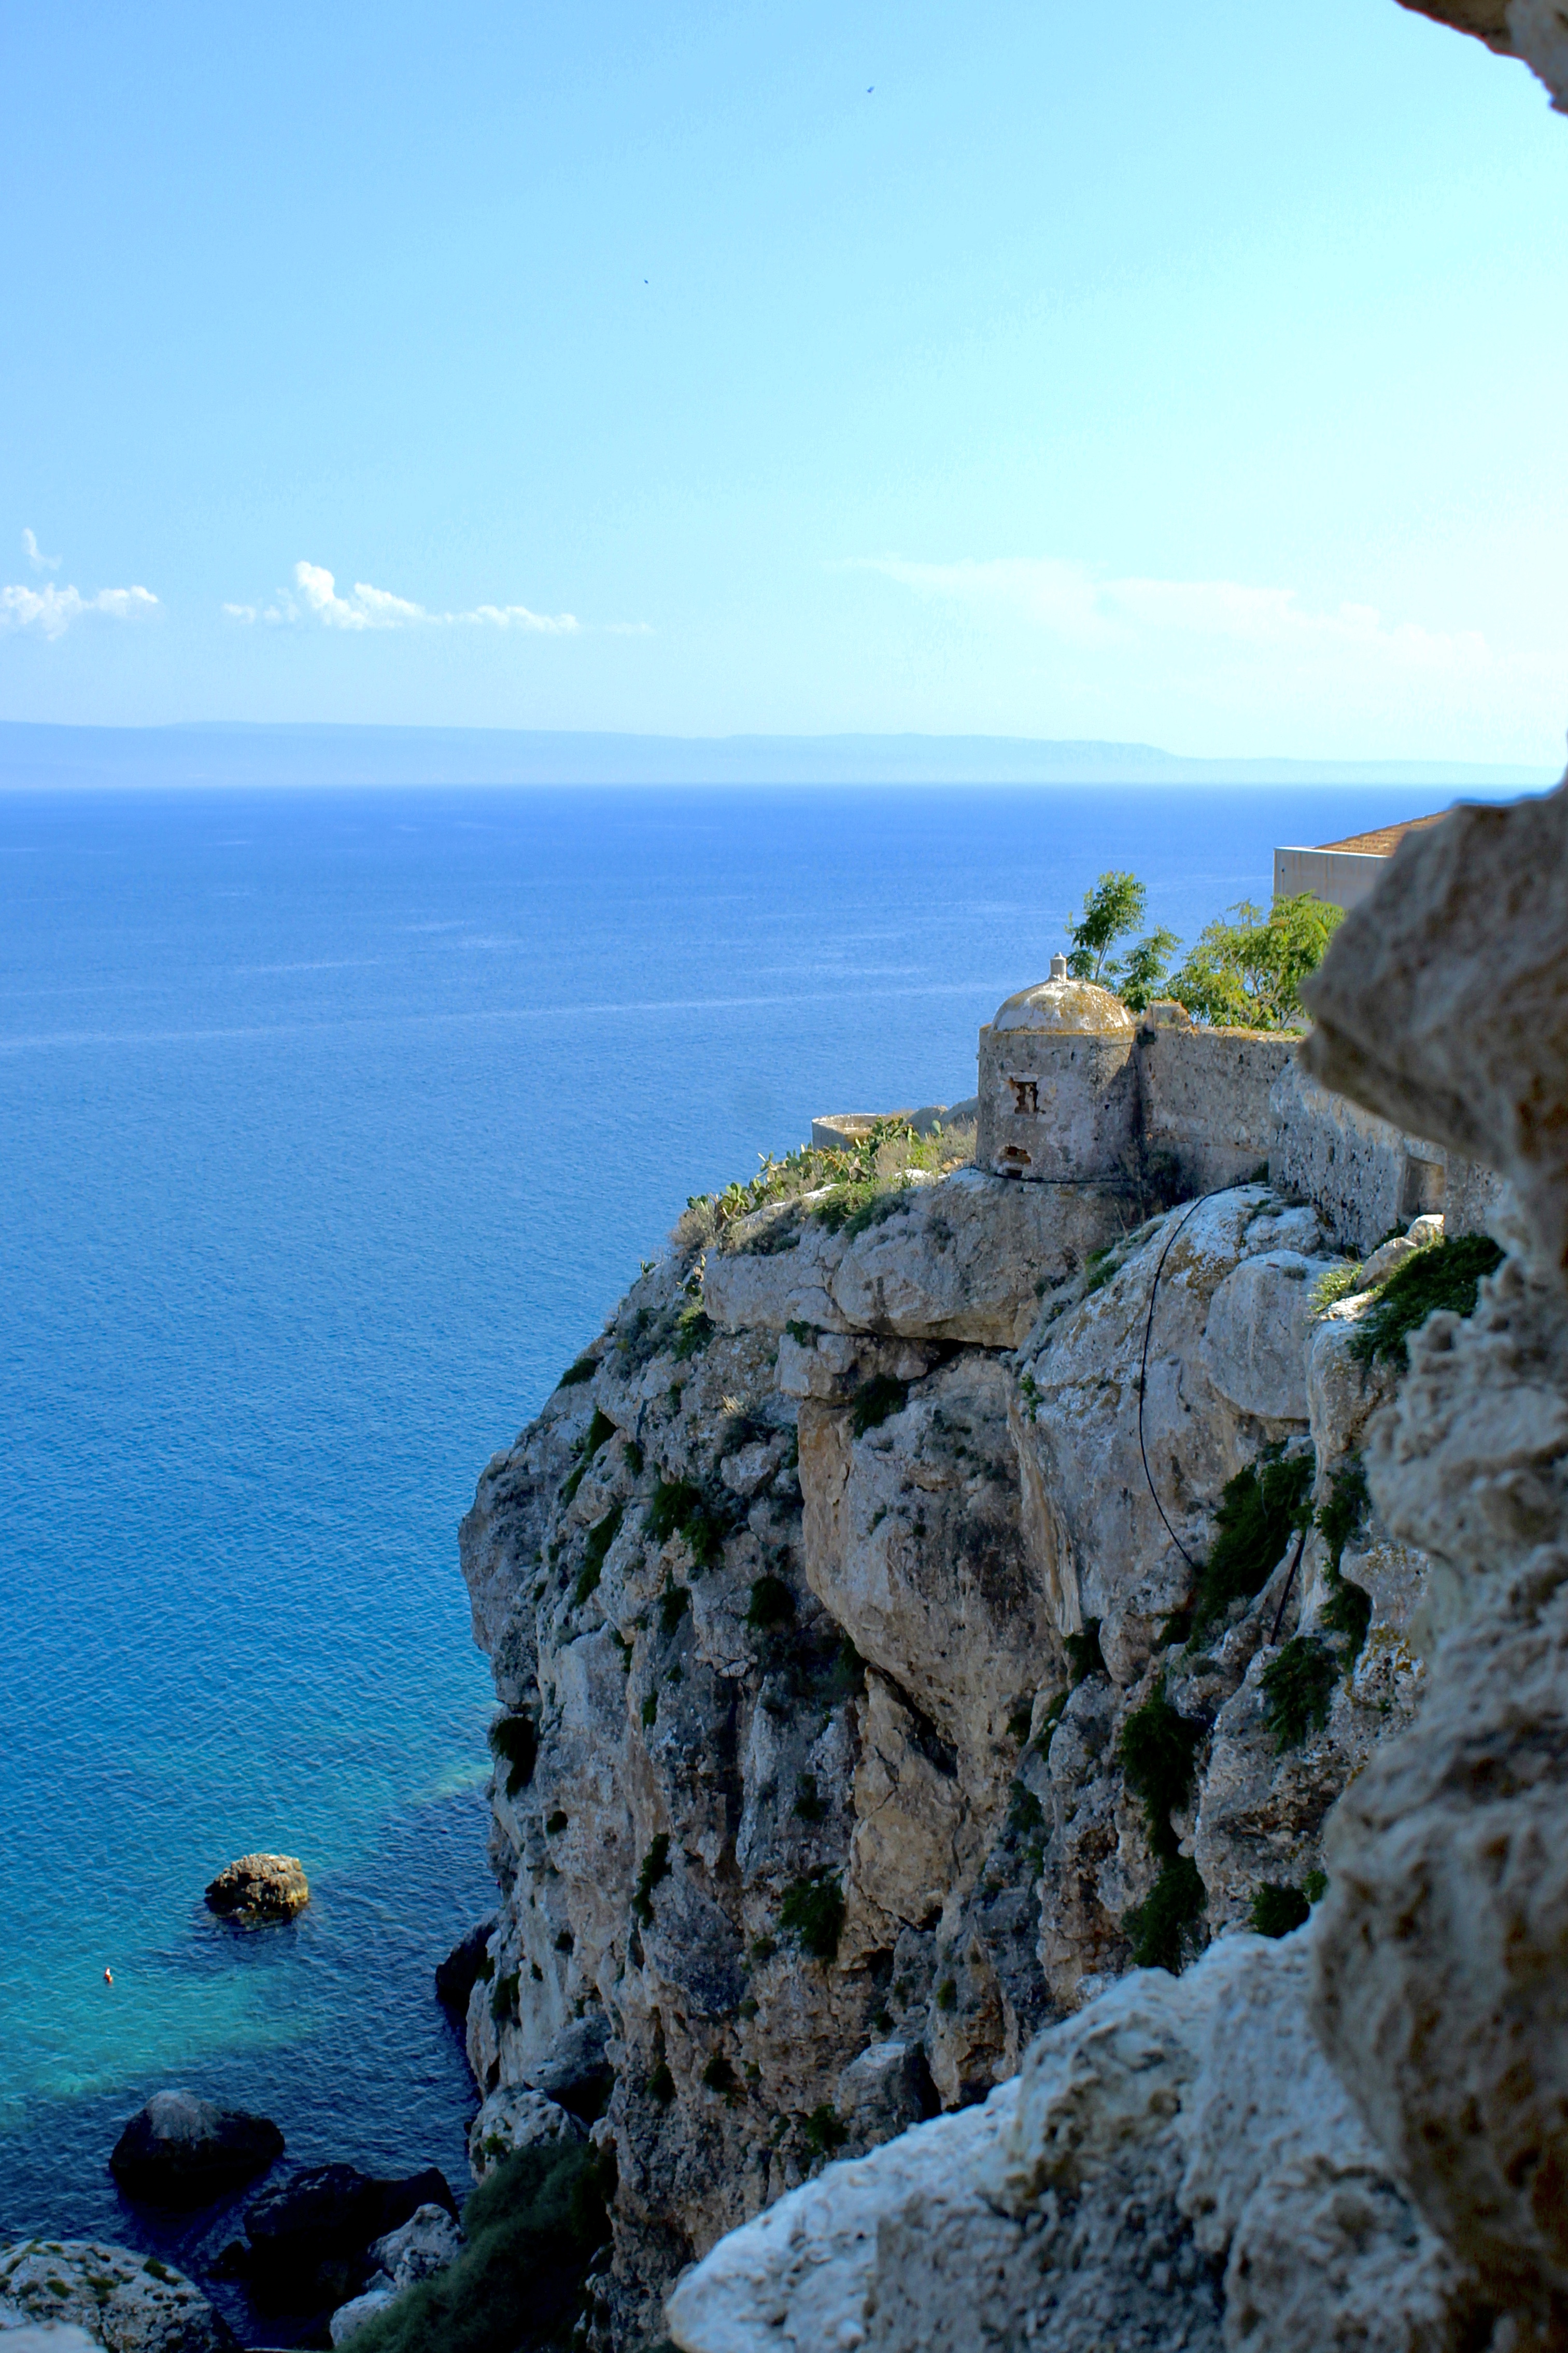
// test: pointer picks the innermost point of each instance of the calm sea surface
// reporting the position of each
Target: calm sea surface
(330, 1125)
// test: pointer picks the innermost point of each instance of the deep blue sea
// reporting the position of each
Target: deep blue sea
(332, 1125)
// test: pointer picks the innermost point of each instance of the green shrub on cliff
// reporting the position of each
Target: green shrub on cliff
(531, 2229)
(1259, 1510)
(813, 1910)
(514, 1741)
(1446, 1275)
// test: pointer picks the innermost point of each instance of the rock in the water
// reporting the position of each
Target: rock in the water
(456, 1976)
(180, 2150)
(125, 2302)
(311, 2235)
(260, 1888)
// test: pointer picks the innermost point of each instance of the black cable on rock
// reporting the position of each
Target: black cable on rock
(1144, 1368)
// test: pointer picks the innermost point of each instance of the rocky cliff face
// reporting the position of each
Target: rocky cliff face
(1354, 2134)
(871, 1694)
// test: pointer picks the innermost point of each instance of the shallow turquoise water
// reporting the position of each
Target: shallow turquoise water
(331, 1126)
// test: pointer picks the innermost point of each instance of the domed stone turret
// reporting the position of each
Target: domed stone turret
(1059, 1097)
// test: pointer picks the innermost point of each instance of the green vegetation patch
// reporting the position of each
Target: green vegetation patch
(693, 1330)
(654, 1867)
(1113, 908)
(721, 2077)
(601, 1536)
(1156, 1748)
(583, 1370)
(876, 1401)
(531, 2229)
(772, 1604)
(1162, 1929)
(809, 1805)
(588, 1445)
(825, 2131)
(1246, 973)
(514, 1742)
(813, 1911)
(1446, 1276)
(1299, 1689)
(1276, 1908)
(680, 1509)
(673, 1604)
(1084, 1658)
(1259, 1510)
(662, 2084)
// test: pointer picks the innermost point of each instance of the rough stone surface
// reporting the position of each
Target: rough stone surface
(1363, 1174)
(513, 2119)
(180, 2150)
(798, 1619)
(1443, 999)
(123, 2302)
(1106, 1534)
(1440, 1990)
(260, 1888)
(1175, 2167)
(962, 1259)
(1204, 1094)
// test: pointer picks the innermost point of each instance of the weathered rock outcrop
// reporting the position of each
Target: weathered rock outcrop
(822, 1611)
(1175, 2167)
(125, 2302)
(260, 1888)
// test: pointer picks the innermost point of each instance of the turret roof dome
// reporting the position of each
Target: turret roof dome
(1066, 1007)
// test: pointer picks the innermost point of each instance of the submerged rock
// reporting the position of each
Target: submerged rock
(180, 2150)
(260, 1888)
(125, 2302)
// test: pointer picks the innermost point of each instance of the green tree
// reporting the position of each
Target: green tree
(1246, 973)
(1140, 977)
(1112, 909)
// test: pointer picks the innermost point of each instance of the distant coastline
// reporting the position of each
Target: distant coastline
(35, 755)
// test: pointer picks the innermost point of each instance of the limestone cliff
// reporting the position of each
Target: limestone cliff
(870, 1697)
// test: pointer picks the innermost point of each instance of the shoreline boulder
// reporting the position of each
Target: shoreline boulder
(180, 2150)
(259, 1889)
(66, 2291)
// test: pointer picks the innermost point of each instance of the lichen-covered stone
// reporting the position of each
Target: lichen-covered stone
(127, 2303)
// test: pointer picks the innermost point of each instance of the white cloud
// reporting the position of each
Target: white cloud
(36, 556)
(51, 610)
(1068, 602)
(378, 608)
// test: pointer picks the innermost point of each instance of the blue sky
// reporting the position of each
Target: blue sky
(1192, 375)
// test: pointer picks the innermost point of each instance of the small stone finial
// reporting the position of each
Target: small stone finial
(1058, 967)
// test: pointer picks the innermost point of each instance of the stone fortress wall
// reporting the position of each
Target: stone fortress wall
(1075, 1090)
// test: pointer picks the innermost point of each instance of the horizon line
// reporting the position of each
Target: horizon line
(54, 753)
